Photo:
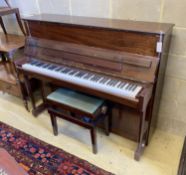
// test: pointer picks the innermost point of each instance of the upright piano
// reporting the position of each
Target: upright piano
(121, 61)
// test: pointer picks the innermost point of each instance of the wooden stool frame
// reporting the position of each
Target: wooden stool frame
(53, 110)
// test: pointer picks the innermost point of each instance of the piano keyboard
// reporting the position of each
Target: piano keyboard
(87, 79)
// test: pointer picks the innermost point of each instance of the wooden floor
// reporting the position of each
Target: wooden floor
(115, 153)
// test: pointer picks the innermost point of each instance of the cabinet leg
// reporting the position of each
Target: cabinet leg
(20, 22)
(3, 26)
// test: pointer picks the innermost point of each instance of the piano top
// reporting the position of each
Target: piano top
(114, 24)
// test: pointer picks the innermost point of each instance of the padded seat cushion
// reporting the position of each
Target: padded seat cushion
(76, 100)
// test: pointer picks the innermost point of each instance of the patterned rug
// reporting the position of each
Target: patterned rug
(40, 158)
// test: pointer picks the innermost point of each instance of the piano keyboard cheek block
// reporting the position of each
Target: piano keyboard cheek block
(78, 53)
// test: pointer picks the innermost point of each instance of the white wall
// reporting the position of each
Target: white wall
(27, 7)
(54, 6)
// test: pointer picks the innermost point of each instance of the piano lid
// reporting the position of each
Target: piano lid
(114, 24)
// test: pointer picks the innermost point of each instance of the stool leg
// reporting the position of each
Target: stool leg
(93, 139)
(54, 124)
(107, 125)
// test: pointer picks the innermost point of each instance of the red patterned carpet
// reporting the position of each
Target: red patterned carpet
(40, 158)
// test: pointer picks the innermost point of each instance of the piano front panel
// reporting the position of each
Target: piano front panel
(125, 122)
(133, 42)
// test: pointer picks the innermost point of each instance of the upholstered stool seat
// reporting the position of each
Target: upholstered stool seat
(78, 108)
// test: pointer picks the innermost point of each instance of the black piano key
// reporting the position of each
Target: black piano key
(39, 64)
(105, 80)
(46, 65)
(98, 79)
(88, 76)
(80, 74)
(115, 82)
(36, 63)
(134, 88)
(120, 84)
(131, 87)
(66, 70)
(33, 62)
(63, 70)
(59, 69)
(127, 87)
(109, 82)
(94, 78)
(73, 72)
(101, 81)
(52, 67)
(112, 82)
(123, 84)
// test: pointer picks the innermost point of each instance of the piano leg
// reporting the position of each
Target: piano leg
(36, 110)
(43, 93)
(29, 91)
(149, 114)
(22, 90)
(143, 136)
(42, 106)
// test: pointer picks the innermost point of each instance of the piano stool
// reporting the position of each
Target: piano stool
(78, 108)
